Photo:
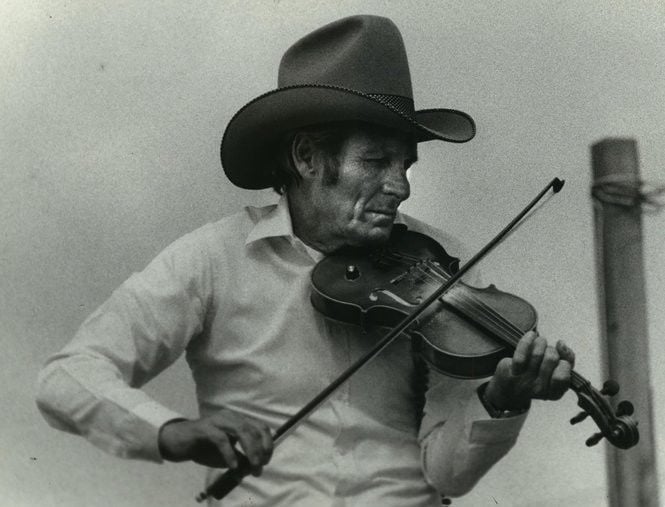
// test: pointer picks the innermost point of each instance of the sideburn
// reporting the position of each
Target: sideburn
(330, 171)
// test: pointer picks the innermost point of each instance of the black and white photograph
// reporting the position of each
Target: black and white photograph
(298, 253)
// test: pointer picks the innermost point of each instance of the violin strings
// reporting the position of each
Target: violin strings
(512, 333)
(473, 306)
(501, 325)
(492, 320)
(477, 308)
(577, 379)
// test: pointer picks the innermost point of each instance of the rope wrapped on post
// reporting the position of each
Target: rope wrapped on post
(628, 192)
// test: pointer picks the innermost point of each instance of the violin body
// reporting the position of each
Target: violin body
(463, 333)
(379, 288)
(452, 343)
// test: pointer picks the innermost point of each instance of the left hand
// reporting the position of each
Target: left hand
(536, 370)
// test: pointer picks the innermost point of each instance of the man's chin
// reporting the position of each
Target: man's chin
(374, 236)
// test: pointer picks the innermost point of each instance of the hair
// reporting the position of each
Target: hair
(327, 139)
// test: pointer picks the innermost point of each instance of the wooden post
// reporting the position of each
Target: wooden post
(632, 476)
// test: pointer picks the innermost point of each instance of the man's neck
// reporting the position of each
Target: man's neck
(308, 228)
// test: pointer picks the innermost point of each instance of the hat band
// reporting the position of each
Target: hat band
(401, 104)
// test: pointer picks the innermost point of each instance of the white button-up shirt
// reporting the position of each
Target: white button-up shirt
(234, 297)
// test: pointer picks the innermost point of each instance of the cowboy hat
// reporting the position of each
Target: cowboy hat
(352, 69)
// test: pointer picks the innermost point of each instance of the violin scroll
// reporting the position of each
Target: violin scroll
(618, 427)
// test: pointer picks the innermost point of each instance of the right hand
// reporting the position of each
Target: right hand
(210, 440)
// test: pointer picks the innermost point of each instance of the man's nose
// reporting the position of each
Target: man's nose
(396, 182)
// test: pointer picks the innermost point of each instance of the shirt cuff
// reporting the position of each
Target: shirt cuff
(153, 416)
(485, 429)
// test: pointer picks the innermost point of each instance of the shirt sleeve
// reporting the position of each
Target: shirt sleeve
(92, 386)
(460, 442)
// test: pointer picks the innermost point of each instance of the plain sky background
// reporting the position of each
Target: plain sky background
(110, 119)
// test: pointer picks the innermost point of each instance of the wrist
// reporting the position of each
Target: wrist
(498, 406)
(169, 440)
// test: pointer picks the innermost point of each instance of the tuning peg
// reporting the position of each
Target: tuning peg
(625, 408)
(610, 388)
(579, 418)
(594, 439)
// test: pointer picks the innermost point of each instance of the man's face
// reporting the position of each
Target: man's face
(357, 206)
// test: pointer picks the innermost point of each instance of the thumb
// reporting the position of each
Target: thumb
(504, 368)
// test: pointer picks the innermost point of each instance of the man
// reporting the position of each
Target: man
(336, 139)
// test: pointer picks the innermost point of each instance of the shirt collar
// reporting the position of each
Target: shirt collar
(274, 223)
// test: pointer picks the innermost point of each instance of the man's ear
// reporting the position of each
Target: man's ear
(302, 154)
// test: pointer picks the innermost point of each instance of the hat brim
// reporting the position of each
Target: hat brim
(247, 149)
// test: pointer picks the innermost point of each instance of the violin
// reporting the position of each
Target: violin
(463, 334)
(412, 286)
